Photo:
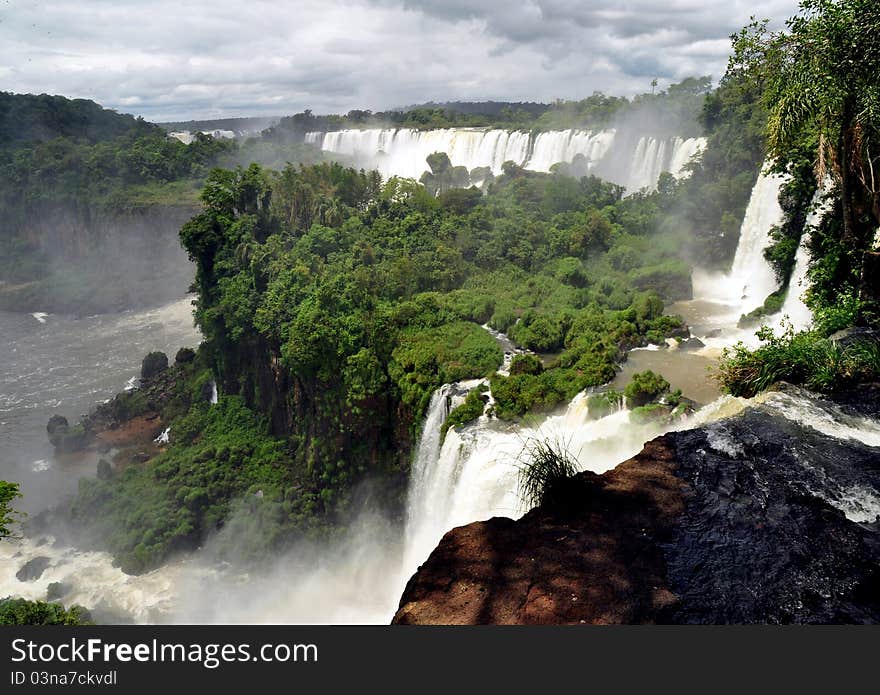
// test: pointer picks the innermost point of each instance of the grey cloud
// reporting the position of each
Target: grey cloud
(173, 60)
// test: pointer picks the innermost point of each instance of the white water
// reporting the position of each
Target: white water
(751, 278)
(797, 313)
(402, 151)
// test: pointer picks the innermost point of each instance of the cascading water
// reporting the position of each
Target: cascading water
(751, 278)
(402, 151)
(474, 474)
(797, 313)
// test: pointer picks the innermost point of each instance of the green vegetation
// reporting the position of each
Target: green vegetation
(818, 82)
(333, 304)
(604, 403)
(470, 410)
(645, 387)
(8, 493)
(19, 611)
(545, 466)
(219, 454)
(807, 358)
(72, 174)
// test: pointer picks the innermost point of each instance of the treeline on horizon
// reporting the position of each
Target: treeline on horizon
(672, 111)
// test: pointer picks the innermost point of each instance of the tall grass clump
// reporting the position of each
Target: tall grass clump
(545, 465)
(806, 358)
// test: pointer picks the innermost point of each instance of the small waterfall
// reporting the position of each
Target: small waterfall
(474, 474)
(751, 278)
(402, 151)
(799, 315)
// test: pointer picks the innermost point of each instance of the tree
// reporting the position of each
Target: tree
(8, 493)
(820, 82)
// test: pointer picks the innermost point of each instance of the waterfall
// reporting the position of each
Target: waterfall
(799, 315)
(214, 394)
(402, 151)
(751, 278)
(473, 475)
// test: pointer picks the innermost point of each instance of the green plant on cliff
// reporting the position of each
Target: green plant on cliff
(806, 358)
(545, 466)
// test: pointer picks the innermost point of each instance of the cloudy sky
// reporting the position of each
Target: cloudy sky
(195, 59)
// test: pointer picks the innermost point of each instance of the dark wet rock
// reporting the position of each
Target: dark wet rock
(153, 364)
(184, 356)
(63, 437)
(853, 335)
(33, 569)
(57, 590)
(753, 519)
(57, 426)
(682, 332)
(691, 344)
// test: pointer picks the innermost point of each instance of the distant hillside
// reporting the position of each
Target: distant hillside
(254, 124)
(27, 119)
(484, 108)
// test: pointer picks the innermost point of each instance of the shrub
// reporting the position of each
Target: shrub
(604, 403)
(804, 358)
(19, 611)
(470, 410)
(526, 364)
(645, 387)
(544, 467)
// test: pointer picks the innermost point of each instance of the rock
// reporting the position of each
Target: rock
(184, 356)
(747, 520)
(33, 569)
(853, 335)
(63, 437)
(57, 427)
(691, 344)
(57, 590)
(154, 363)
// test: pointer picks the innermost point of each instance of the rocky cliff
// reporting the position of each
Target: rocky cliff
(91, 260)
(753, 519)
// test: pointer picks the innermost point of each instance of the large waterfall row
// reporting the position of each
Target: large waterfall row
(633, 163)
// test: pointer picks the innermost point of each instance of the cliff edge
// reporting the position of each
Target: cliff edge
(753, 519)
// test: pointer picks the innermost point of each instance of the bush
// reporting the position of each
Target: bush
(153, 364)
(545, 466)
(806, 358)
(19, 611)
(604, 403)
(526, 364)
(470, 410)
(644, 388)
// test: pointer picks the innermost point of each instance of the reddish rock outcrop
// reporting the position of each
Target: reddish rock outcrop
(748, 520)
(598, 564)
